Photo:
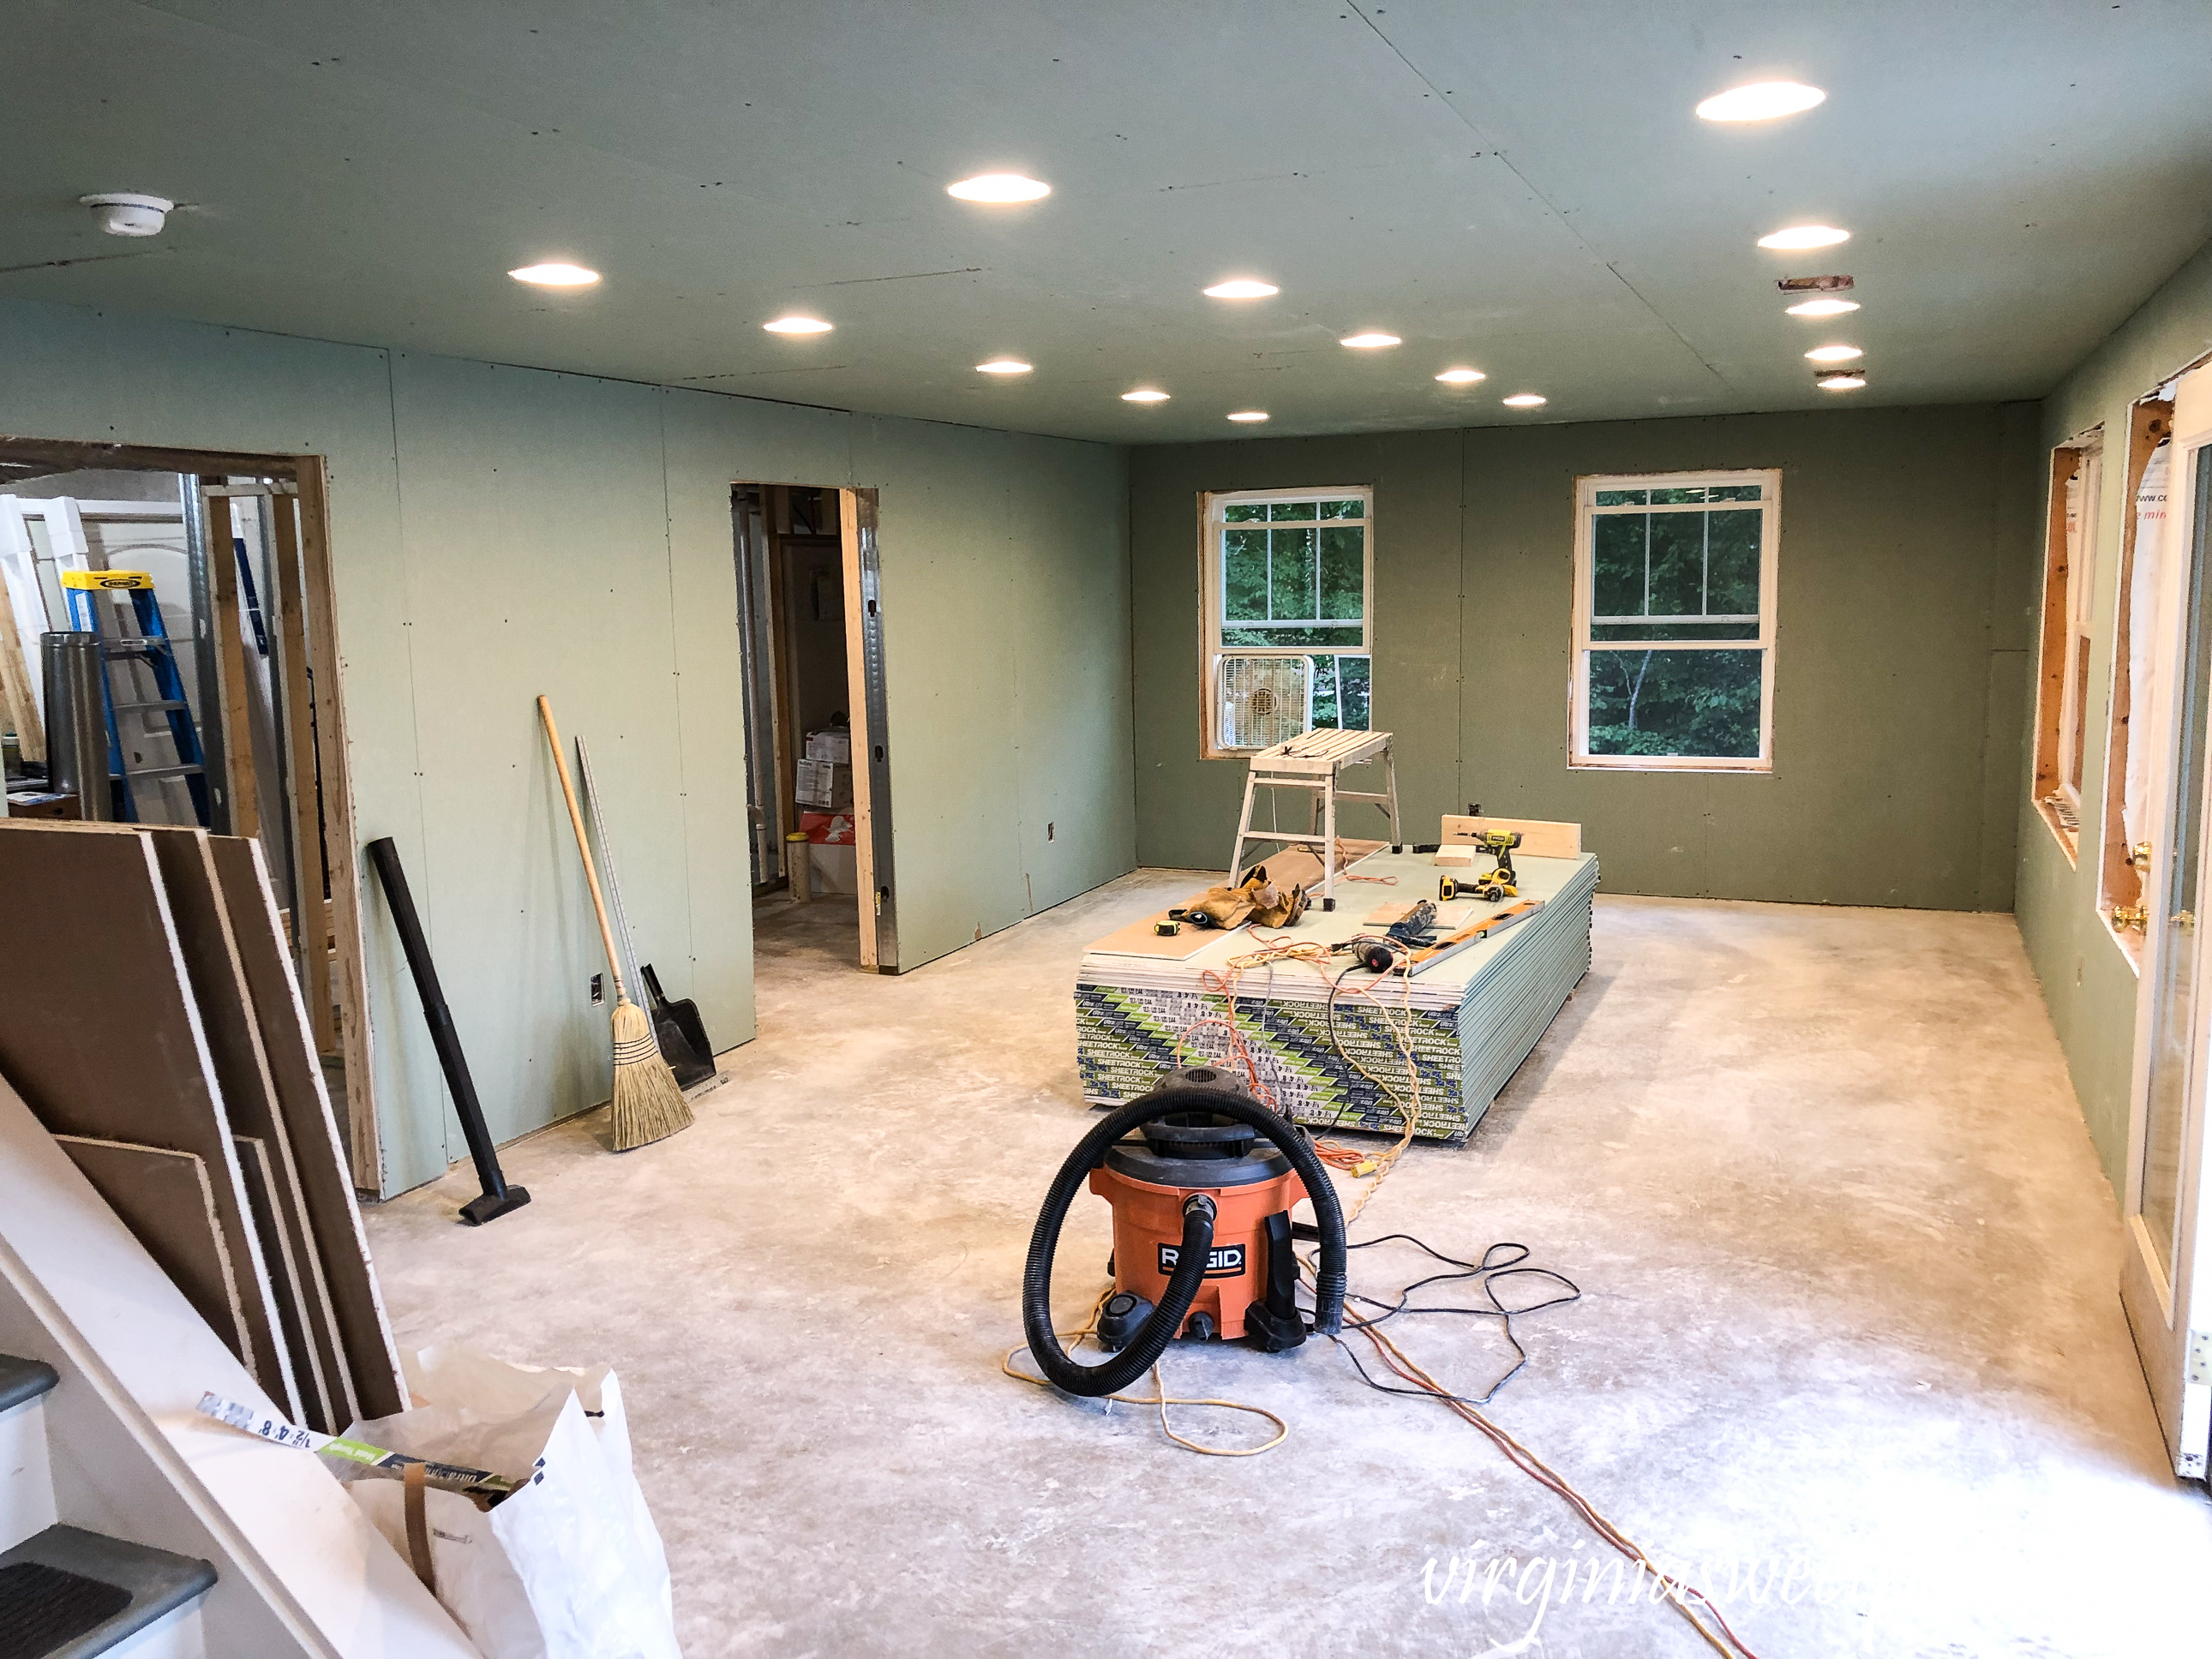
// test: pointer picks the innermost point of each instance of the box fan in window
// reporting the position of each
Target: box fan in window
(1264, 700)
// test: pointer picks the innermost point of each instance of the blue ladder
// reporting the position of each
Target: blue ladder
(154, 648)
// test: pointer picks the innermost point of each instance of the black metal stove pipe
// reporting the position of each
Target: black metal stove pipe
(497, 1197)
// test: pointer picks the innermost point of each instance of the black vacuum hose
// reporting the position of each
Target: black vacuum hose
(1152, 1338)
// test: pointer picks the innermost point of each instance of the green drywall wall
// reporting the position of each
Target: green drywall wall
(2087, 980)
(498, 532)
(1904, 538)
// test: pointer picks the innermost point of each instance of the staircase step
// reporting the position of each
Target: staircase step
(69, 1593)
(27, 1486)
(22, 1380)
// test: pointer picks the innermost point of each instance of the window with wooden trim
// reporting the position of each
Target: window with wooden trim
(1674, 621)
(2069, 586)
(2127, 751)
(1286, 580)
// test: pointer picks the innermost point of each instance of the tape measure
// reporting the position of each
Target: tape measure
(1167, 929)
(107, 581)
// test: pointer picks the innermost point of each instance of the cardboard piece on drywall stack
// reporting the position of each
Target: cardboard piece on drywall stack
(101, 1036)
(370, 1377)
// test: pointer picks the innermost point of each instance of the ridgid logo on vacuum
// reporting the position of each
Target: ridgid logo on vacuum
(1223, 1262)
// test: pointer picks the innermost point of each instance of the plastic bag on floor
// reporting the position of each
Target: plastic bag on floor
(569, 1567)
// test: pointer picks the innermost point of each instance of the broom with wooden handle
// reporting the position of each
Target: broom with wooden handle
(647, 1104)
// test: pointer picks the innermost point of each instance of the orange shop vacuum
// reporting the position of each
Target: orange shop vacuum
(1202, 1178)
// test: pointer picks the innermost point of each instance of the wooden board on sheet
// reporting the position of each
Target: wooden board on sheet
(368, 1381)
(100, 1035)
(218, 986)
(1540, 838)
(1138, 939)
(167, 1202)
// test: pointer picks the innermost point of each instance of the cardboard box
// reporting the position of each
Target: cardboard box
(825, 786)
(834, 745)
(836, 868)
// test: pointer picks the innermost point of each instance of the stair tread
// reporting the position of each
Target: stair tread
(154, 1582)
(23, 1379)
(43, 1609)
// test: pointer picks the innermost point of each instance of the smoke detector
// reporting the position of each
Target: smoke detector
(119, 213)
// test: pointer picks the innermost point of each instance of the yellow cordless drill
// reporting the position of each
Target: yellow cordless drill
(1501, 883)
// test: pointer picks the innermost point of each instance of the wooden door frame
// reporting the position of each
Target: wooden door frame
(2159, 1306)
(308, 477)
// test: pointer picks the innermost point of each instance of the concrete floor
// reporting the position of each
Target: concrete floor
(1850, 1340)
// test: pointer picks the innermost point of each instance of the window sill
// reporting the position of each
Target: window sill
(2069, 840)
(1649, 763)
(2129, 944)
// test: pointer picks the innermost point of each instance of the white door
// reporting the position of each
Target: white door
(2166, 1274)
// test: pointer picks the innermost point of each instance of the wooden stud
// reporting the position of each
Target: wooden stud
(355, 1041)
(17, 664)
(238, 784)
(856, 702)
(1539, 838)
(775, 516)
(2120, 884)
(311, 909)
(2051, 682)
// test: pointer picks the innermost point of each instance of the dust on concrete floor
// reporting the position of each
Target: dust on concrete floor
(1848, 1344)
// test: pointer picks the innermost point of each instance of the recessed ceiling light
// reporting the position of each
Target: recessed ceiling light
(1804, 236)
(1524, 400)
(1242, 287)
(1834, 354)
(797, 325)
(1002, 366)
(1762, 101)
(1250, 415)
(555, 274)
(1460, 376)
(1840, 380)
(1145, 394)
(1368, 342)
(1823, 308)
(1000, 188)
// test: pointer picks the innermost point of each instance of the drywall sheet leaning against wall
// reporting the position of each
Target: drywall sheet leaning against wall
(185, 859)
(369, 1377)
(101, 1035)
(166, 1200)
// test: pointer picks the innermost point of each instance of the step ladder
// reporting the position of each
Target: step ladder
(151, 646)
(1311, 761)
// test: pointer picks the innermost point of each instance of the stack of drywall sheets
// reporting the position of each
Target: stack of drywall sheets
(1472, 1016)
(150, 1020)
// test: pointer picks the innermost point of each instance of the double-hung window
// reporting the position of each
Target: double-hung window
(1675, 621)
(1287, 575)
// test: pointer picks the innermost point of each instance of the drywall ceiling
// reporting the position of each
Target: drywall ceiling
(1522, 188)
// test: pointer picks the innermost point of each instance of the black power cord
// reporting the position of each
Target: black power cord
(1486, 1275)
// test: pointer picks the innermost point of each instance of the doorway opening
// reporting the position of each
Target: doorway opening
(166, 657)
(817, 793)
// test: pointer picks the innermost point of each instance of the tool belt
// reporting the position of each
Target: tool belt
(1256, 900)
